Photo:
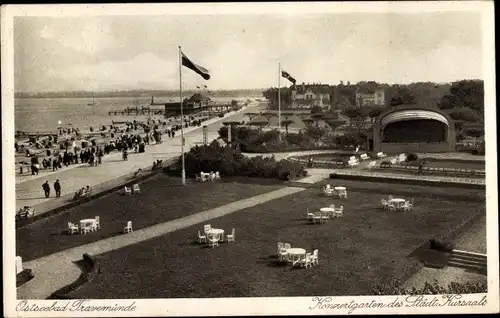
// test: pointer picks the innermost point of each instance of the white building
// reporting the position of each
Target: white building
(309, 95)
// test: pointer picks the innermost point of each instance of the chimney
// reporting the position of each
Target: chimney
(348, 83)
(341, 82)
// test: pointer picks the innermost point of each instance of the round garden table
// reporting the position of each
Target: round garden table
(213, 232)
(295, 254)
(398, 202)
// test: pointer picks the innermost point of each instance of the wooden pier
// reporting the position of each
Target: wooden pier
(136, 111)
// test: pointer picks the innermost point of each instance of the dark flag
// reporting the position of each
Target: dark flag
(205, 86)
(203, 72)
(197, 87)
(288, 77)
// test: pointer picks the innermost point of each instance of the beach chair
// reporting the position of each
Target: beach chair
(201, 238)
(97, 223)
(128, 191)
(72, 228)
(128, 228)
(136, 188)
(231, 237)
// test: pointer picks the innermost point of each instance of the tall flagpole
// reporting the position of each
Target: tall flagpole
(279, 100)
(182, 118)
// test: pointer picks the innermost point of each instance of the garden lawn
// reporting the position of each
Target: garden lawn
(161, 199)
(366, 247)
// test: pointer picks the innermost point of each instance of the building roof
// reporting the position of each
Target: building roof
(315, 88)
(413, 112)
(368, 88)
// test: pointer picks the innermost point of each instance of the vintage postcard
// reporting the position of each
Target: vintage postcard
(219, 159)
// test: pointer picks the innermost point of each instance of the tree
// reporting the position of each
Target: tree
(314, 132)
(316, 109)
(402, 95)
(465, 94)
(475, 132)
(464, 114)
(317, 117)
(374, 112)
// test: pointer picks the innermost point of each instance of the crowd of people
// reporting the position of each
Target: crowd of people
(93, 155)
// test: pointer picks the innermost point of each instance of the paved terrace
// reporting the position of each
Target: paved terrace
(77, 176)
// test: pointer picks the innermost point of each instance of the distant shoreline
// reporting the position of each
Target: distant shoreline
(143, 94)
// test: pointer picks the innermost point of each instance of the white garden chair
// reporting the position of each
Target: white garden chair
(128, 228)
(201, 238)
(384, 202)
(217, 175)
(314, 258)
(198, 178)
(371, 164)
(85, 229)
(407, 206)
(231, 237)
(136, 188)
(305, 261)
(207, 228)
(287, 246)
(97, 223)
(72, 228)
(128, 191)
(343, 194)
(391, 206)
(339, 212)
(283, 255)
(213, 240)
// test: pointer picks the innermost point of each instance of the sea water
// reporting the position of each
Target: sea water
(44, 114)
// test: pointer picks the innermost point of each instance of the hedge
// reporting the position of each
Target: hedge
(231, 162)
(23, 277)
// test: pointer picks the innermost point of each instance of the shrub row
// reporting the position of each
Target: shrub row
(23, 277)
(395, 288)
(231, 162)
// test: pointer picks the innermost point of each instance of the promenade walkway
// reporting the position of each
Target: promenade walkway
(30, 192)
(56, 271)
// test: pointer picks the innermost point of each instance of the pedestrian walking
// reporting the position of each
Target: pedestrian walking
(57, 188)
(46, 189)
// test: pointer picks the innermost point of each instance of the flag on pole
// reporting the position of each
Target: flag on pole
(205, 86)
(197, 87)
(203, 72)
(288, 77)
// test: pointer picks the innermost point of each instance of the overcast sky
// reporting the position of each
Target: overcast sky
(243, 51)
